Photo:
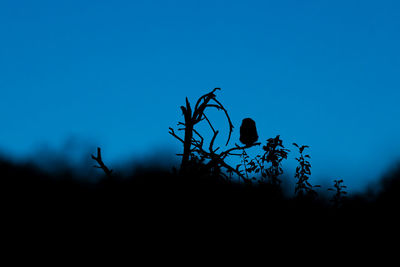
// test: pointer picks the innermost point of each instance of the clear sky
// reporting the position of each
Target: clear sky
(114, 73)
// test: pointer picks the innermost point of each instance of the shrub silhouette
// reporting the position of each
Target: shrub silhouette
(275, 152)
(303, 171)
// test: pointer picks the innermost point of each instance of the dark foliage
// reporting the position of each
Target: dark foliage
(303, 171)
(153, 205)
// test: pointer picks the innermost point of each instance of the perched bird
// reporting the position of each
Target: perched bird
(248, 132)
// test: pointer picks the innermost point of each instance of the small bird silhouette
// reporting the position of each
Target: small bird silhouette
(248, 132)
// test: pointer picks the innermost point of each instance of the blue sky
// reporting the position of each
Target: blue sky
(114, 73)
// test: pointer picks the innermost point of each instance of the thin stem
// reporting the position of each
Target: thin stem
(102, 166)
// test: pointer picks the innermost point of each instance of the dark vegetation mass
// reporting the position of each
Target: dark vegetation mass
(205, 189)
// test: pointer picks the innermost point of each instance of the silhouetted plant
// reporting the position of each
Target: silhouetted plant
(303, 172)
(248, 166)
(101, 165)
(274, 153)
(193, 118)
(193, 141)
(338, 197)
(245, 160)
(256, 166)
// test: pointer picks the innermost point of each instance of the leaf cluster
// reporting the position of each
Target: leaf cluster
(303, 172)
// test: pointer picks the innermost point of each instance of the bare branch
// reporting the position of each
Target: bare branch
(199, 109)
(212, 142)
(171, 132)
(210, 94)
(214, 106)
(229, 120)
(102, 166)
(237, 147)
(209, 123)
(192, 144)
(199, 135)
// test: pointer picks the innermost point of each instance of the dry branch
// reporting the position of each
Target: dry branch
(192, 144)
(102, 166)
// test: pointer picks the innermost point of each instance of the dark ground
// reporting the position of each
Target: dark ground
(158, 201)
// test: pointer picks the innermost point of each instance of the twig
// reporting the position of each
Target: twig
(172, 132)
(237, 147)
(235, 171)
(199, 135)
(229, 120)
(212, 142)
(209, 123)
(102, 166)
(191, 143)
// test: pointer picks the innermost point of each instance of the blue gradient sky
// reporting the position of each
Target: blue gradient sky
(114, 73)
